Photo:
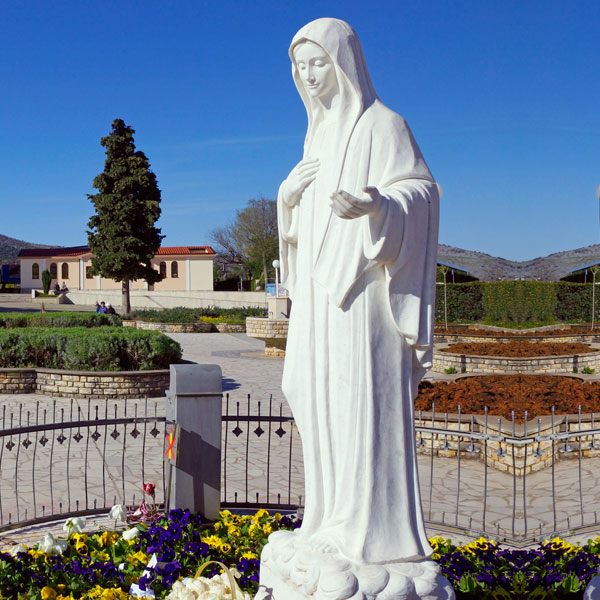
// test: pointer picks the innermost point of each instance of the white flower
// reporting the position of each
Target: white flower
(18, 548)
(50, 545)
(74, 525)
(130, 534)
(118, 512)
(202, 588)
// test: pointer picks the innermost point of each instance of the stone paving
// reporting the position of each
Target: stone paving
(246, 370)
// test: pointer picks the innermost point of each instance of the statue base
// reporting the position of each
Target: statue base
(292, 570)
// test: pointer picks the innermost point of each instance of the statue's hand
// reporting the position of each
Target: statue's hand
(347, 206)
(301, 176)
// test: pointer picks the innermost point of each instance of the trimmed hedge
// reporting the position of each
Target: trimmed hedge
(192, 315)
(465, 302)
(84, 349)
(574, 302)
(517, 303)
(12, 320)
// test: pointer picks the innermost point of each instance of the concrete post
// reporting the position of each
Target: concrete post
(194, 403)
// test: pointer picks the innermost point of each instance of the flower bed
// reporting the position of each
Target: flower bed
(105, 565)
(503, 393)
(79, 348)
(210, 314)
(518, 348)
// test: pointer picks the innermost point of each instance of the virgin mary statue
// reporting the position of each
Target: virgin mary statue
(358, 225)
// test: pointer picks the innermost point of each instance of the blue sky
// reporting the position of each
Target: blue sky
(503, 97)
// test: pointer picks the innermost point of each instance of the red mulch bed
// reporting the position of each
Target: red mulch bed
(503, 393)
(519, 348)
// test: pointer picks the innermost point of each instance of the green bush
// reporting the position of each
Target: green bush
(46, 280)
(191, 315)
(58, 319)
(464, 302)
(574, 302)
(80, 348)
(519, 302)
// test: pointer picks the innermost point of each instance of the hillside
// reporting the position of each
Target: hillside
(9, 248)
(547, 268)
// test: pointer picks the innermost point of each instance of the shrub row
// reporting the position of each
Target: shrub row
(83, 349)
(57, 319)
(517, 302)
(191, 315)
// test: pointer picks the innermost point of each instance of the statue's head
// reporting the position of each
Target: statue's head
(316, 71)
(327, 59)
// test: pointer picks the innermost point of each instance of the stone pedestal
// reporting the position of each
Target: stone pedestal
(278, 307)
(293, 570)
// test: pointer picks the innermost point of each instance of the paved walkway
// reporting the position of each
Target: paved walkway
(113, 464)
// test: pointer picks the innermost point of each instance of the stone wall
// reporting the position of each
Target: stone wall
(85, 384)
(530, 457)
(261, 327)
(199, 327)
(569, 338)
(469, 363)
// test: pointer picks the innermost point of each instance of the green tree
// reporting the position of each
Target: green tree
(122, 234)
(252, 240)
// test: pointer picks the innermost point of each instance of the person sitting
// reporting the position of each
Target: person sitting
(56, 288)
(97, 307)
(64, 287)
(110, 310)
(102, 307)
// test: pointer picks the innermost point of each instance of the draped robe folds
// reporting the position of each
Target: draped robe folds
(359, 341)
(361, 328)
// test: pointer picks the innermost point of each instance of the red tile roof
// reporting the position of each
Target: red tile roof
(185, 250)
(81, 250)
(50, 252)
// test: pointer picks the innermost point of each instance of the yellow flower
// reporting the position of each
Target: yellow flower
(48, 593)
(277, 516)
(36, 553)
(108, 538)
(81, 548)
(268, 529)
(137, 559)
(260, 514)
(226, 548)
(218, 525)
(213, 541)
(249, 555)
(233, 530)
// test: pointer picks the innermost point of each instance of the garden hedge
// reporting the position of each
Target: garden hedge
(84, 349)
(517, 303)
(181, 314)
(11, 320)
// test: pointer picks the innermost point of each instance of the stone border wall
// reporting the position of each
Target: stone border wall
(85, 384)
(198, 327)
(453, 338)
(531, 457)
(266, 329)
(469, 363)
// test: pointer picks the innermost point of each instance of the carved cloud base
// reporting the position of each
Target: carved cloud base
(292, 570)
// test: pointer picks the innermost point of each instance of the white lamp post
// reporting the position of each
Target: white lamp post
(276, 267)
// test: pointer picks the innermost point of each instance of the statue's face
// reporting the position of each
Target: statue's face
(316, 70)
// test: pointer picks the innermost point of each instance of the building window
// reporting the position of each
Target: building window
(53, 270)
(64, 271)
(35, 271)
(162, 268)
(88, 273)
(174, 269)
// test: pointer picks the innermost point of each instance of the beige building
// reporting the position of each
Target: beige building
(185, 268)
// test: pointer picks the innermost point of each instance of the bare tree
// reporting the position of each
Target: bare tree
(251, 238)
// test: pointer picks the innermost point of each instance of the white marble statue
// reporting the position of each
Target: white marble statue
(358, 225)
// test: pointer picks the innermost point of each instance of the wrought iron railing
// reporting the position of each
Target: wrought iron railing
(70, 460)
(478, 475)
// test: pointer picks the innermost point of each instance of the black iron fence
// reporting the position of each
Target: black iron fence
(478, 474)
(76, 458)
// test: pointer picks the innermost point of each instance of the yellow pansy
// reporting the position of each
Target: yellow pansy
(225, 548)
(249, 555)
(48, 593)
(108, 538)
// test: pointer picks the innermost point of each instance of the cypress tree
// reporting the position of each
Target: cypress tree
(121, 233)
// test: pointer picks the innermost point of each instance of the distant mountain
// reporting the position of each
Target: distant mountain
(9, 248)
(491, 268)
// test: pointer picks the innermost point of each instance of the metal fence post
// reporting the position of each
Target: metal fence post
(194, 402)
